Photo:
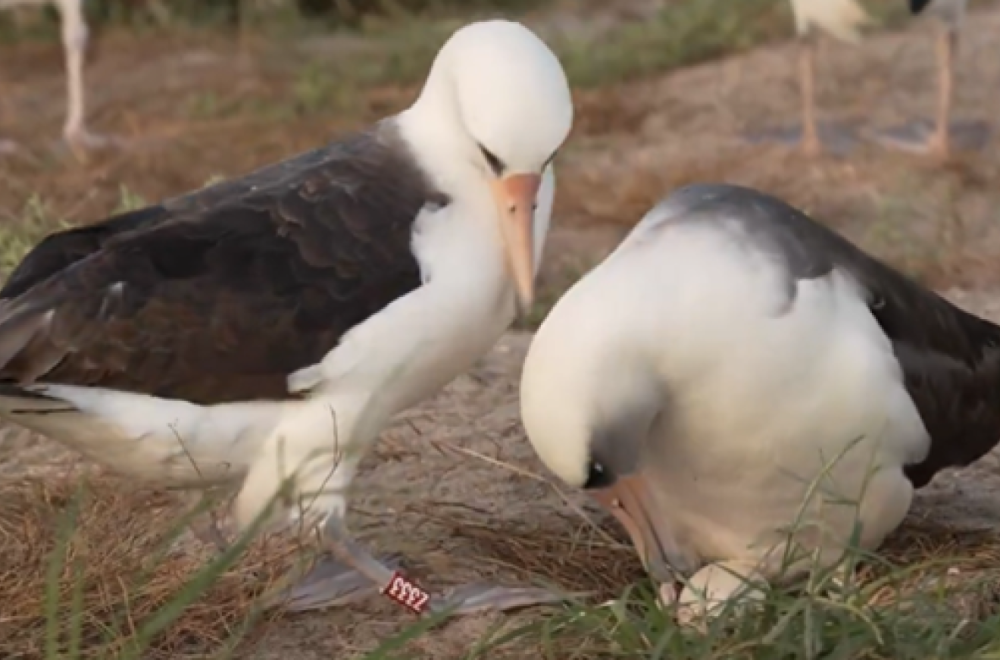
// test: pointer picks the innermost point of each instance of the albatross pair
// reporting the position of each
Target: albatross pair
(729, 357)
(741, 386)
(268, 328)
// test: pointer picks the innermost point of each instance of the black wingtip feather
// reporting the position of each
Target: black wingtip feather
(33, 403)
(11, 389)
(917, 6)
(61, 249)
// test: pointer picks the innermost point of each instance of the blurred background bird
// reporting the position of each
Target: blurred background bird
(934, 137)
(842, 20)
(75, 33)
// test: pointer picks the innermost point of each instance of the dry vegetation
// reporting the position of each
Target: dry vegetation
(98, 574)
(94, 565)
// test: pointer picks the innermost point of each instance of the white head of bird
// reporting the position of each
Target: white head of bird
(497, 104)
(590, 385)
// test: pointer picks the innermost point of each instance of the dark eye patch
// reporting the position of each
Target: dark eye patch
(495, 163)
(598, 476)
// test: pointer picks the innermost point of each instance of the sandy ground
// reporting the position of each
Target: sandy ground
(454, 486)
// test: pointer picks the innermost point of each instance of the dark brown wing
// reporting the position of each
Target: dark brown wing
(950, 358)
(219, 295)
(59, 250)
(950, 361)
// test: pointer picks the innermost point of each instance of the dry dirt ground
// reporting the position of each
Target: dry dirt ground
(454, 486)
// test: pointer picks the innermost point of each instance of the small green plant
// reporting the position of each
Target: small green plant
(128, 200)
(30, 226)
(321, 89)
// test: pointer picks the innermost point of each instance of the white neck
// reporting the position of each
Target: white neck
(460, 247)
(432, 335)
(433, 130)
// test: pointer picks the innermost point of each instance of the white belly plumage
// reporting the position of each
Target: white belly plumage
(800, 420)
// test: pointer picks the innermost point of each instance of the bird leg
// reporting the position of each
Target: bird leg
(811, 145)
(7, 145)
(351, 574)
(940, 136)
(811, 137)
(482, 597)
(947, 43)
(338, 578)
(74, 38)
(336, 582)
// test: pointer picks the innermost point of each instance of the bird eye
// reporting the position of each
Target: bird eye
(598, 476)
(495, 163)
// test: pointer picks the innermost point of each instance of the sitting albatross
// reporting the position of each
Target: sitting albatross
(731, 356)
(269, 327)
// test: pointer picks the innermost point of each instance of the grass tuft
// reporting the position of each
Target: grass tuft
(95, 570)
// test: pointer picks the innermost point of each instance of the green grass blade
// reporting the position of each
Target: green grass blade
(56, 566)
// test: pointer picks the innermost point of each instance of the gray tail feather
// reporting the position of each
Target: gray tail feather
(20, 401)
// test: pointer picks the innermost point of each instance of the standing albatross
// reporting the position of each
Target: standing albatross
(268, 328)
(732, 355)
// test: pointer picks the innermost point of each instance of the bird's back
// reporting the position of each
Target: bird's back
(356, 156)
(950, 359)
(236, 285)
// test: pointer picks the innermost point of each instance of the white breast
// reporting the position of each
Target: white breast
(761, 398)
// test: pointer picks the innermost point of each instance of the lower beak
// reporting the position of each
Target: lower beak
(631, 502)
(515, 197)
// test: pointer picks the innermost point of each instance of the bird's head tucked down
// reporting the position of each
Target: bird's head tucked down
(591, 400)
(589, 429)
(590, 387)
(503, 105)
